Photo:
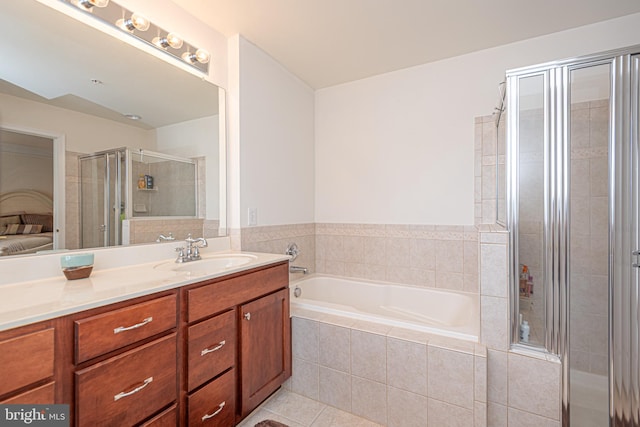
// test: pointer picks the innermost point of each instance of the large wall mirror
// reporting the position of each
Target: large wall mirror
(68, 92)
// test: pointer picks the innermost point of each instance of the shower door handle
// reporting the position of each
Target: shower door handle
(102, 227)
(635, 254)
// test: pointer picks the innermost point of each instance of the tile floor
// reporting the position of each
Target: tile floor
(295, 410)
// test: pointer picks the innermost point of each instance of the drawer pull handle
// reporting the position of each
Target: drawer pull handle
(247, 316)
(220, 407)
(211, 350)
(128, 328)
(135, 390)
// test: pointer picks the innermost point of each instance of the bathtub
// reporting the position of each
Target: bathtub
(447, 313)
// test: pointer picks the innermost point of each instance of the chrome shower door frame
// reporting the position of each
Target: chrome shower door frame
(624, 223)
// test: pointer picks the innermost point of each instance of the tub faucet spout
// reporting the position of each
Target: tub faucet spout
(296, 269)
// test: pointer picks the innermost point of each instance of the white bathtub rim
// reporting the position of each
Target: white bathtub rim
(339, 310)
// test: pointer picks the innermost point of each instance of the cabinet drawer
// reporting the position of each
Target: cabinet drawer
(218, 296)
(212, 348)
(167, 418)
(42, 395)
(26, 359)
(109, 331)
(215, 403)
(129, 387)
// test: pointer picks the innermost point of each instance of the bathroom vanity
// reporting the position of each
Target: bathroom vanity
(204, 352)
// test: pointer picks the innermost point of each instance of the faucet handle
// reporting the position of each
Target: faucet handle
(180, 250)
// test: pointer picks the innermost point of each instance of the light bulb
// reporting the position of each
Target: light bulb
(140, 22)
(136, 22)
(88, 4)
(172, 40)
(202, 56)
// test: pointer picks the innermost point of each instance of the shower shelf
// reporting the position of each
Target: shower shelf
(147, 189)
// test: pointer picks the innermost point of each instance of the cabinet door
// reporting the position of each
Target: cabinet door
(265, 334)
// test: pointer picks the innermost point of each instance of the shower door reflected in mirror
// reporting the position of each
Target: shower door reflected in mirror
(531, 208)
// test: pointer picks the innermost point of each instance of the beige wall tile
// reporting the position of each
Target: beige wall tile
(398, 252)
(480, 378)
(494, 329)
(444, 414)
(524, 419)
(334, 347)
(493, 270)
(450, 376)
(407, 365)
(480, 414)
(374, 250)
(423, 253)
(335, 388)
(534, 385)
(496, 415)
(304, 378)
(369, 400)
(497, 376)
(304, 339)
(406, 409)
(449, 256)
(369, 356)
(353, 247)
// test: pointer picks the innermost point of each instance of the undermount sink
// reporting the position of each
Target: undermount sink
(210, 264)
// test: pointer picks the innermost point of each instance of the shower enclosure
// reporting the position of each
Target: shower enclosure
(124, 184)
(573, 213)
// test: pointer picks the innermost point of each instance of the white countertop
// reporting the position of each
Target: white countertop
(37, 300)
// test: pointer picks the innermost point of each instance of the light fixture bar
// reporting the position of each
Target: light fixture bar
(136, 25)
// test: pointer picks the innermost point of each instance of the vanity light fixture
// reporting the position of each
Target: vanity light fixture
(142, 29)
(201, 56)
(136, 22)
(88, 4)
(171, 40)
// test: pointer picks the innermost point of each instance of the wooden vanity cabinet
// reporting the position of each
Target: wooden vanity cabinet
(246, 317)
(125, 359)
(27, 365)
(265, 339)
(204, 354)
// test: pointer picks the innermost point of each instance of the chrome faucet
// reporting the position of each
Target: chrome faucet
(296, 269)
(192, 251)
(293, 252)
(162, 237)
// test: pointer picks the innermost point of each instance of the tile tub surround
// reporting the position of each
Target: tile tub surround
(390, 376)
(436, 256)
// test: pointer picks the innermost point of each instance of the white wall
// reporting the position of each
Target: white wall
(398, 148)
(276, 141)
(84, 133)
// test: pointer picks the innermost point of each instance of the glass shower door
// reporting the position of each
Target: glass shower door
(589, 130)
(93, 218)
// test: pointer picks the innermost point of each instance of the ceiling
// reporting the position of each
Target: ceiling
(76, 70)
(328, 42)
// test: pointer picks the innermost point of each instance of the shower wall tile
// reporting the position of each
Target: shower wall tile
(449, 373)
(497, 376)
(494, 271)
(525, 419)
(527, 374)
(496, 415)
